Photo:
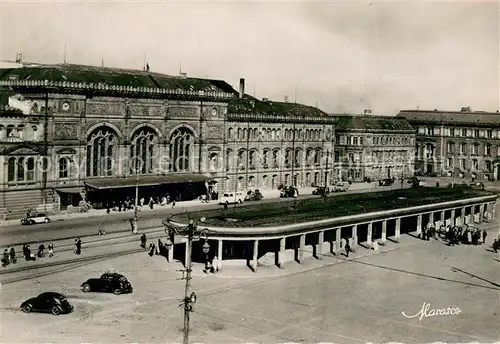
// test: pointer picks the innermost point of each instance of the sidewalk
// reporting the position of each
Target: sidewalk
(272, 196)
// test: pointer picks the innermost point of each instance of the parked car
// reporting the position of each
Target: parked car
(341, 187)
(254, 196)
(50, 302)
(477, 185)
(321, 190)
(289, 191)
(233, 197)
(34, 218)
(108, 283)
(386, 182)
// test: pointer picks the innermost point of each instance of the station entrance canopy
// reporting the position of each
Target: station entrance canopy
(132, 181)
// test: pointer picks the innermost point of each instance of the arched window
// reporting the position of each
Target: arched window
(245, 134)
(229, 154)
(317, 157)
(288, 158)
(238, 134)
(240, 183)
(274, 181)
(276, 153)
(309, 157)
(30, 170)
(142, 151)
(265, 158)
(181, 147)
(298, 158)
(20, 169)
(214, 162)
(241, 160)
(101, 150)
(63, 167)
(251, 181)
(12, 170)
(256, 133)
(252, 160)
(230, 133)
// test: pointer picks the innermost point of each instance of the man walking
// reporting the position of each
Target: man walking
(347, 247)
(484, 235)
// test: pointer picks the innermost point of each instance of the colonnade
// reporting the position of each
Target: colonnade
(332, 237)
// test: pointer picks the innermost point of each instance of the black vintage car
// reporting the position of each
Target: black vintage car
(108, 283)
(50, 302)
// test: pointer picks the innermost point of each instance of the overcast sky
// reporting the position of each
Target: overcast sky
(346, 57)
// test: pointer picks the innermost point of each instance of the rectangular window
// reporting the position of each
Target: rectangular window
(361, 141)
(449, 147)
(351, 157)
(464, 133)
(462, 163)
(462, 148)
(452, 131)
(487, 149)
(489, 134)
(355, 141)
(349, 140)
(449, 162)
(475, 148)
(476, 132)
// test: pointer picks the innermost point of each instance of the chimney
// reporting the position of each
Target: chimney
(242, 88)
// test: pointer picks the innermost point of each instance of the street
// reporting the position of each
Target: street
(355, 301)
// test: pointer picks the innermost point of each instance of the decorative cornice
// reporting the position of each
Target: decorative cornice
(100, 87)
(251, 117)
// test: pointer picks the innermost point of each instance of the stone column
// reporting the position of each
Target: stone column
(419, 224)
(171, 254)
(384, 232)
(493, 208)
(219, 253)
(452, 217)
(398, 229)
(481, 213)
(338, 240)
(462, 216)
(319, 247)
(302, 248)
(255, 255)
(431, 218)
(281, 254)
(354, 238)
(187, 254)
(369, 234)
(442, 219)
(471, 216)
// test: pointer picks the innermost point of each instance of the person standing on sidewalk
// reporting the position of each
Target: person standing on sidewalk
(347, 247)
(51, 250)
(143, 240)
(484, 235)
(78, 246)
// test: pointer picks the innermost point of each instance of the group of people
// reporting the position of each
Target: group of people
(162, 250)
(455, 235)
(9, 254)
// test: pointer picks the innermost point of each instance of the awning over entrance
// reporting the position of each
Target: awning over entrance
(73, 190)
(113, 182)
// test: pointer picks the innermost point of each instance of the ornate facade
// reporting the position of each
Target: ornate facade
(70, 132)
(373, 148)
(464, 144)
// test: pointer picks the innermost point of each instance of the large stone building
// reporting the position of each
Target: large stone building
(463, 144)
(70, 132)
(373, 148)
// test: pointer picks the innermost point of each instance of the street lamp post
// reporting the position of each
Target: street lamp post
(191, 231)
(135, 220)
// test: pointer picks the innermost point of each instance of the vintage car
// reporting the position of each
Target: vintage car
(289, 191)
(321, 191)
(34, 218)
(232, 197)
(341, 187)
(108, 283)
(50, 302)
(386, 182)
(254, 196)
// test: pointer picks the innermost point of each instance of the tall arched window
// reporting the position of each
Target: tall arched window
(30, 169)
(229, 159)
(142, 151)
(101, 149)
(12, 169)
(214, 162)
(181, 147)
(20, 169)
(230, 134)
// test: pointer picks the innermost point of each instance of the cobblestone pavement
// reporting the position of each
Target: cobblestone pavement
(357, 300)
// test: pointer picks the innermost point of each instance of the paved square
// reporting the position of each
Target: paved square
(354, 301)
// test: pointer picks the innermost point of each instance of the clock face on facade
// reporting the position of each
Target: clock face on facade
(65, 106)
(214, 112)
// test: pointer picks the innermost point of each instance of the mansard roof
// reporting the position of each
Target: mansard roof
(371, 123)
(113, 79)
(249, 108)
(472, 118)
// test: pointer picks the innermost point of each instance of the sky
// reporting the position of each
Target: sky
(343, 57)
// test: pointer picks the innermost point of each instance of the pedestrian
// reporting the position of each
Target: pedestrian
(151, 203)
(484, 235)
(173, 203)
(51, 250)
(41, 251)
(152, 249)
(347, 248)
(215, 265)
(143, 240)
(5, 258)
(78, 246)
(12, 254)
